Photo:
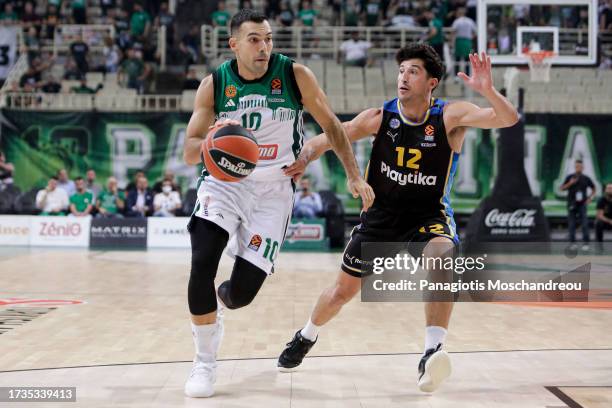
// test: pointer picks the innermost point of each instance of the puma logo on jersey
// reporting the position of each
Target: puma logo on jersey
(411, 178)
(268, 152)
(230, 104)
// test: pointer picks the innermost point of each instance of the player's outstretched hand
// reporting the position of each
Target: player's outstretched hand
(360, 188)
(296, 169)
(482, 78)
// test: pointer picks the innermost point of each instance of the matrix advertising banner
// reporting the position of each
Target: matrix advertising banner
(120, 144)
(123, 233)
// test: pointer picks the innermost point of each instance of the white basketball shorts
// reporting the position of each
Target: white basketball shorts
(254, 213)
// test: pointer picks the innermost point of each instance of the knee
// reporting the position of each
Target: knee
(233, 298)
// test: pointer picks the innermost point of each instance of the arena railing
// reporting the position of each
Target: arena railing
(325, 41)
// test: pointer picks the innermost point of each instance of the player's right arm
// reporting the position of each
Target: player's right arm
(363, 125)
(201, 119)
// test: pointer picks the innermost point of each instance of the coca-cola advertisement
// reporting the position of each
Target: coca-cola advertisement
(519, 221)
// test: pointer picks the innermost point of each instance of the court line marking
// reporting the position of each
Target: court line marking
(326, 356)
(566, 399)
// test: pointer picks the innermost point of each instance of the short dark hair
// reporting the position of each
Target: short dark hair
(243, 16)
(433, 64)
(578, 161)
(53, 178)
(78, 179)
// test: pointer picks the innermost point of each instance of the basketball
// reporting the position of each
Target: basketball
(230, 153)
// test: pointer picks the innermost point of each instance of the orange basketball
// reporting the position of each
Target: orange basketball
(230, 152)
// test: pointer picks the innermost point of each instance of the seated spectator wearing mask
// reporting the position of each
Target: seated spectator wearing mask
(166, 203)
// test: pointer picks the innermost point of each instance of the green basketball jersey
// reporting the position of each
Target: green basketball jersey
(270, 106)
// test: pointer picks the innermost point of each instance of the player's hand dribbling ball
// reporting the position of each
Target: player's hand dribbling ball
(230, 152)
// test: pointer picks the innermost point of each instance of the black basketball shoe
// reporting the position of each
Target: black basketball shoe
(434, 368)
(294, 353)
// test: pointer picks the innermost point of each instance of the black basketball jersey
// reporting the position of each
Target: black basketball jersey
(412, 166)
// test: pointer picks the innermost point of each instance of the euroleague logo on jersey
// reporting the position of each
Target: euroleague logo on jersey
(255, 242)
(230, 91)
(276, 86)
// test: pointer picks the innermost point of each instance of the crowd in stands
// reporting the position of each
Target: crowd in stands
(84, 196)
(131, 53)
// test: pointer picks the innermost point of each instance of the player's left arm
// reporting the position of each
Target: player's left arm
(465, 114)
(315, 102)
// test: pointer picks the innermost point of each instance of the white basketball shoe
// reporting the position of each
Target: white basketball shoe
(201, 381)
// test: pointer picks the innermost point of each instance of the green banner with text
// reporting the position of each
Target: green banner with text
(119, 144)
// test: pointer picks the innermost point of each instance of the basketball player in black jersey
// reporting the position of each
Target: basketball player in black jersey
(417, 140)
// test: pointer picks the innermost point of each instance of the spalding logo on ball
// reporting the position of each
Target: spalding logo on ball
(230, 152)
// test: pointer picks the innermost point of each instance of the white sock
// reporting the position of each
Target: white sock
(433, 336)
(204, 341)
(310, 331)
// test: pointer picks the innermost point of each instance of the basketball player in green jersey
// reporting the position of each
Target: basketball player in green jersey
(264, 92)
(417, 140)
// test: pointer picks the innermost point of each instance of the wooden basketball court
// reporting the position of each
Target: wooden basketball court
(129, 343)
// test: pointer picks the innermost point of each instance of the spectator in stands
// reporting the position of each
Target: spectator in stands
(285, 19)
(6, 171)
(191, 81)
(168, 176)
(190, 45)
(402, 15)
(65, 183)
(52, 200)
(140, 23)
(132, 184)
(136, 71)
(166, 19)
(52, 19)
(220, 17)
(79, 16)
(435, 35)
(90, 183)
(122, 28)
(373, 13)
(111, 201)
(140, 200)
(307, 15)
(168, 202)
(464, 32)
(603, 219)
(351, 13)
(577, 185)
(112, 56)
(355, 50)
(81, 202)
(307, 202)
(29, 18)
(79, 51)
(32, 44)
(8, 15)
(31, 80)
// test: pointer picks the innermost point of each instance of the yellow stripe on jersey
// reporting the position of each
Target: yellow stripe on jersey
(408, 121)
(450, 165)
